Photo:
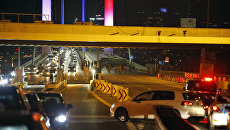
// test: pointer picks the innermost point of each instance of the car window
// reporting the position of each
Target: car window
(33, 102)
(190, 96)
(145, 96)
(163, 95)
(51, 99)
(223, 99)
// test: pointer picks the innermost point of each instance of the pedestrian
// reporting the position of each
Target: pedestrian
(130, 68)
(125, 68)
(120, 68)
(115, 68)
(51, 78)
(109, 68)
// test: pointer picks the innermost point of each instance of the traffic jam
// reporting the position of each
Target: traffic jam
(200, 101)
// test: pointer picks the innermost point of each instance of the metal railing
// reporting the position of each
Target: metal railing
(35, 17)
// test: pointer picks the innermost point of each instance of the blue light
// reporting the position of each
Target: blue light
(132, 57)
(62, 11)
(163, 10)
(83, 10)
(83, 49)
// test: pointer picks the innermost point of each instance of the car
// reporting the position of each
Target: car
(3, 80)
(21, 120)
(13, 99)
(36, 106)
(56, 109)
(186, 104)
(202, 85)
(218, 111)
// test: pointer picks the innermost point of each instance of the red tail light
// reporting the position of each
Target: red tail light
(206, 107)
(202, 104)
(215, 108)
(36, 117)
(208, 79)
(187, 103)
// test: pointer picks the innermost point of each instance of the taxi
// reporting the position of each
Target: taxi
(141, 106)
(218, 111)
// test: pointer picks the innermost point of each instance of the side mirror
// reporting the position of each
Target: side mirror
(69, 106)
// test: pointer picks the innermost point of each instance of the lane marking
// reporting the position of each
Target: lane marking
(100, 99)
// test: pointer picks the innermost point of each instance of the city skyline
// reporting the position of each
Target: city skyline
(126, 12)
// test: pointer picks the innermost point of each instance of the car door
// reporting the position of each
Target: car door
(141, 105)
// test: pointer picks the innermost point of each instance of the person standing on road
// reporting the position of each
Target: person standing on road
(125, 68)
(109, 68)
(120, 68)
(51, 78)
(130, 67)
(115, 68)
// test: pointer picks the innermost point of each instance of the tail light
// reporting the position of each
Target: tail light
(208, 79)
(202, 104)
(187, 103)
(215, 108)
(36, 117)
(206, 108)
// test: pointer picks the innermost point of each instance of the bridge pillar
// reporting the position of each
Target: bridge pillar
(207, 62)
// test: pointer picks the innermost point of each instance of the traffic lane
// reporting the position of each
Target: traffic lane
(89, 113)
(141, 83)
(202, 125)
(139, 79)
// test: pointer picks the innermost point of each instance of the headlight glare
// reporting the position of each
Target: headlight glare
(61, 118)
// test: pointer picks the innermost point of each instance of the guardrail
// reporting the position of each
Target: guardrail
(9, 17)
(182, 77)
(120, 92)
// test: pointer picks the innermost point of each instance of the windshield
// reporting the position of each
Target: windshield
(202, 85)
(8, 102)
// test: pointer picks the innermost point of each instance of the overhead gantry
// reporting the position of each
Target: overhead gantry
(108, 36)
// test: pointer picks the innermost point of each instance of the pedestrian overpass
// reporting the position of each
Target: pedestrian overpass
(30, 34)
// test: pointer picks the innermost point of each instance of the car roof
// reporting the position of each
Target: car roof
(49, 94)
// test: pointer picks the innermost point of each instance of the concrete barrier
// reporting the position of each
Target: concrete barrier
(119, 92)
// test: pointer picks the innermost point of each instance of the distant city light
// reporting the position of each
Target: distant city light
(46, 10)
(108, 13)
(163, 10)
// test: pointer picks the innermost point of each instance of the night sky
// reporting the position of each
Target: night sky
(126, 11)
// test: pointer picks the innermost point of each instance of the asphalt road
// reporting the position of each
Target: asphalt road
(90, 114)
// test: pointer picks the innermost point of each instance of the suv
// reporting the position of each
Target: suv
(13, 99)
(56, 109)
(202, 85)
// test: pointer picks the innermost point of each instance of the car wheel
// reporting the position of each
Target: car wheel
(122, 115)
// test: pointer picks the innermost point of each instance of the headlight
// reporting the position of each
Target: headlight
(113, 105)
(61, 118)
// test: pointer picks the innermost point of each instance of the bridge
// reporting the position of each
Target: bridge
(109, 36)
